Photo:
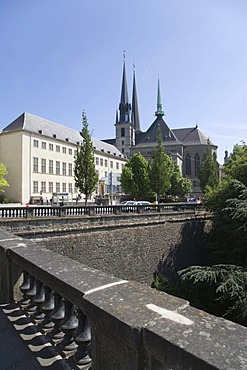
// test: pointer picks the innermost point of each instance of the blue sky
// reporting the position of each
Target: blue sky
(59, 57)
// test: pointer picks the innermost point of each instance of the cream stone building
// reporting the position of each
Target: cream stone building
(39, 155)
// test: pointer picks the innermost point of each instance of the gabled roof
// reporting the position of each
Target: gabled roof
(150, 136)
(31, 123)
(190, 136)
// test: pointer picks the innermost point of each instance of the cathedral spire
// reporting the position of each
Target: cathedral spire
(124, 106)
(135, 111)
(159, 111)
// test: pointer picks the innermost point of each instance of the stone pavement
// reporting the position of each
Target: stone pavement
(22, 347)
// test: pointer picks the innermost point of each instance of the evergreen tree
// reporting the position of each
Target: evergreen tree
(3, 181)
(86, 177)
(161, 167)
(134, 179)
(179, 185)
(209, 170)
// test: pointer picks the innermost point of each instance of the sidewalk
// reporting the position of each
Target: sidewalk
(22, 346)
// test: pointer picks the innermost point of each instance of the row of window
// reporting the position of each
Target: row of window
(104, 162)
(49, 187)
(52, 146)
(60, 167)
(188, 166)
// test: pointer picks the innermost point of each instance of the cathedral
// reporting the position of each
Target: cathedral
(186, 146)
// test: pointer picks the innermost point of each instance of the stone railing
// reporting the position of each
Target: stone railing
(129, 325)
(78, 210)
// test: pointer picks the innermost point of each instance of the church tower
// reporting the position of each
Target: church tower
(127, 117)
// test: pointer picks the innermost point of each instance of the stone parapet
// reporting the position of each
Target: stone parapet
(133, 326)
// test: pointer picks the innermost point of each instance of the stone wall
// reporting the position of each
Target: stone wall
(136, 252)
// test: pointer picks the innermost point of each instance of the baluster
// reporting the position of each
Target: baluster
(57, 316)
(31, 293)
(47, 307)
(25, 286)
(82, 338)
(68, 326)
(38, 300)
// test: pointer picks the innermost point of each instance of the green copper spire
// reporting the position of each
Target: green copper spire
(159, 111)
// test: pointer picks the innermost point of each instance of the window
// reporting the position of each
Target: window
(101, 161)
(111, 164)
(64, 150)
(64, 169)
(97, 161)
(43, 145)
(35, 164)
(197, 164)
(57, 187)
(122, 165)
(75, 153)
(35, 187)
(123, 150)
(70, 188)
(118, 178)
(70, 151)
(122, 132)
(187, 164)
(35, 143)
(64, 187)
(43, 186)
(51, 147)
(106, 174)
(57, 168)
(50, 166)
(57, 148)
(117, 166)
(70, 169)
(43, 165)
(50, 187)
(122, 142)
(105, 162)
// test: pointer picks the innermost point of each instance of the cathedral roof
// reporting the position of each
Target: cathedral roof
(190, 136)
(150, 136)
(31, 123)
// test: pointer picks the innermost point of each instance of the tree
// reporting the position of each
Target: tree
(179, 185)
(86, 177)
(3, 182)
(160, 169)
(134, 179)
(209, 171)
(236, 166)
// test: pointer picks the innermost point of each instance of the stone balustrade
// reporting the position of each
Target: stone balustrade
(80, 210)
(129, 325)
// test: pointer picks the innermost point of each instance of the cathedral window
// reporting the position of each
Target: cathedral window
(197, 164)
(188, 164)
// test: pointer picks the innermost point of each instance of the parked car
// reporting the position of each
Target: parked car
(143, 203)
(191, 204)
(128, 206)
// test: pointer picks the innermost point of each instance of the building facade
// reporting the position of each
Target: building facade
(39, 155)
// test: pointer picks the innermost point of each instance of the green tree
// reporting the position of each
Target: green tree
(134, 179)
(161, 167)
(179, 185)
(3, 182)
(86, 177)
(236, 166)
(209, 169)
